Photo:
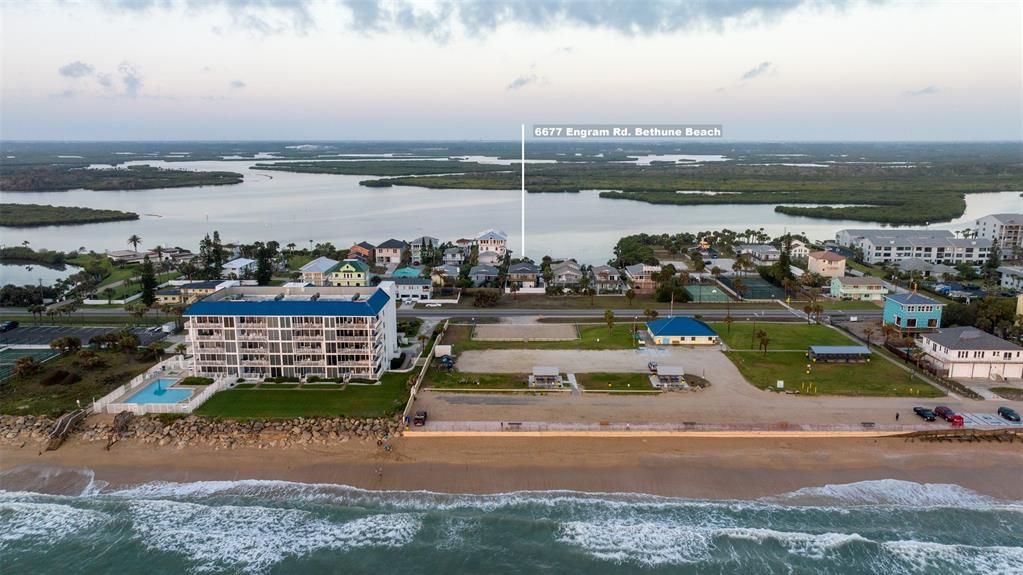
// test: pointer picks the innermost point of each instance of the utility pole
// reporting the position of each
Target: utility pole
(523, 191)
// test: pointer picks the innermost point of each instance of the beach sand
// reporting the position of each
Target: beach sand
(712, 468)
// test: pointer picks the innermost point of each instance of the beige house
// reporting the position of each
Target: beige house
(826, 264)
(492, 241)
(799, 251)
(866, 288)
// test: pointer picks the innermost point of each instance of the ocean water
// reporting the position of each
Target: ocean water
(887, 526)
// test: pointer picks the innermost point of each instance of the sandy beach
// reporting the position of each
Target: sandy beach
(713, 468)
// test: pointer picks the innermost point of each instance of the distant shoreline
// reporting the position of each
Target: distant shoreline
(720, 468)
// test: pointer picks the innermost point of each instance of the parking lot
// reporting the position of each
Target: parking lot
(44, 334)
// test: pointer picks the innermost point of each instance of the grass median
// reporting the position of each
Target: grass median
(795, 336)
(591, 337)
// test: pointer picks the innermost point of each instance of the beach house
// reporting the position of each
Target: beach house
(967, 352)
(317, 272)
(390, 252)
(239, 268)
(641, 277)
(911, 313)
(825, 264)
(864, 288)
(492, 241)
(350, 273)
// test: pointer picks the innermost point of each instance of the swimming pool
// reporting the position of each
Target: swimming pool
(157, 392)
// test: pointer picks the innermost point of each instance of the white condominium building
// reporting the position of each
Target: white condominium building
(330, 332)
(1006, 229)
(934, 246)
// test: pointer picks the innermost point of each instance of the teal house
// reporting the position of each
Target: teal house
(912, 313)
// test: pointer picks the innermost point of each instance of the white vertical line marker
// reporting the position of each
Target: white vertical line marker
(523, 136)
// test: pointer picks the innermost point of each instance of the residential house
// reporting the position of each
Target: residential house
(489, 258)
(194, 291)
(967, 352)
(895, 245)
(826, 264)
(911, 313)
(127, 256)
(465, 244)
(864, 288)
(350, 273)
(605, 278)
(262, 332)
(482, 274)
(524, 275)
(681, 331)
(390, 252)
(239, 268)
(924, 268)
(363, 251)
(641, 277)
(1004, 229)
(763, 253)
(454, 256)
(420, 245)
(317, 272)
(492, 241)
(566, 273)
(798, 250)
(1011, 277)
(413, 288)
(445, 274)
(168, 296)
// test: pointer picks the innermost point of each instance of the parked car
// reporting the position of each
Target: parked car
(419, 419)
(1008, 413)
(433, 305)
(652, 366)
(944, 412)
(8, 326)
(924, 413)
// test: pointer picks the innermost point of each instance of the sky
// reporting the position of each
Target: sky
(478, 69)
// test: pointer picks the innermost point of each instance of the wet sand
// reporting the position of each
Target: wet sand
(712, 468)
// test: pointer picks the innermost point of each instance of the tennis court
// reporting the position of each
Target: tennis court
(756, 288)
(9, 356)
(707, 293)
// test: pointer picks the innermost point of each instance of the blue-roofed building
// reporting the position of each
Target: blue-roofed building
(329, 332)
(681, 331)
(912, 313)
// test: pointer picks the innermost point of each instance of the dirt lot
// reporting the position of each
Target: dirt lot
(525, 331)
(613, 361)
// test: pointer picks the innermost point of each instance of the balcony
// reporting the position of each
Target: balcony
(254, 362)
(204, 362)
(209, 336)
(251, 336)
(309, 337)
(306, 325)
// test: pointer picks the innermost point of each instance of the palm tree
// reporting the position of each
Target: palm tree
(630, 294)
(609, 318)
(739, 286)
(650, 314)
(728, 322)
(134, 241)
(761, 336)
(180, 349)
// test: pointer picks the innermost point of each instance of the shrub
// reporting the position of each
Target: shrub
(61, 377)
(396, 362)
(194, 380)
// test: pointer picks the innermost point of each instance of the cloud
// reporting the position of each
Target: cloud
(923, 91)
(76, 69)
(237, 84)
(105, 80)
(130, 78)
(522, 81)
(758, 70)
(438, 19)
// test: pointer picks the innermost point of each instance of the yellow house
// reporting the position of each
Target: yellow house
(350, 273)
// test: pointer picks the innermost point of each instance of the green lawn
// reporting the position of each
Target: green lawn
(381, 400)
(614, 381)
(591, 336)
(33, 395)
(794, 335)
(296, 261)
(127, 290)
(878, 377)
(1012, 393)
(452, 380)
(554, 303)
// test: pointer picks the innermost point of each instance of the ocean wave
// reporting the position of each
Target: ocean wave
(929, 557)
(891, 492)
(252, 539)
(649, 543)
(44, 522)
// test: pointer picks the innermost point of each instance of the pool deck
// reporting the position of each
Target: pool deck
(175, 374)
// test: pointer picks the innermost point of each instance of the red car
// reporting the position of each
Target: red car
(948, 415)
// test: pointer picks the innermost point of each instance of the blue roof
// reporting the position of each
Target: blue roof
(912, 299)
(370, 306)
(679, 327)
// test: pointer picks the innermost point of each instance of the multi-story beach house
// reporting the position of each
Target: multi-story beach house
(363, 251)
(454, 256)
(350, 273)
(413, 288)
(826, 264)
(420, 246)
(566, 273)
(1011, 277)
(763, 253)
(967, 352)
(390, 252)
(641, 277)
(259, 332)
(194, 291)
(895, 245)
(482, 274)
(524, 275)
(239, 268)
(492, 241)
(799, 250)
(605, 278)
(911, 313)
(865, 288)
(317, 272)
(1004, 229)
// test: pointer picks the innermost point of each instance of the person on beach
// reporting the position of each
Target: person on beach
(896, 416)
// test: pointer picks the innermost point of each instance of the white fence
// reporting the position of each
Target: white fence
(168, 365)
(188, 407)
